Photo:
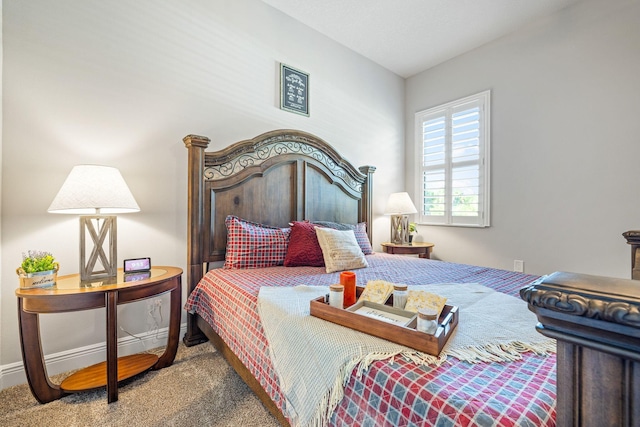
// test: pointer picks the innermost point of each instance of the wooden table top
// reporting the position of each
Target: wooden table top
(71, 284)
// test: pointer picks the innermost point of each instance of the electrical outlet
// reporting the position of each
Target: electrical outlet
(518, 265)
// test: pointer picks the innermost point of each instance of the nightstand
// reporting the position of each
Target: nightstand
(422, 249)
(70, 294)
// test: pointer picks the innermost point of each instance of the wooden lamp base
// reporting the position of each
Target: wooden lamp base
(99, 228)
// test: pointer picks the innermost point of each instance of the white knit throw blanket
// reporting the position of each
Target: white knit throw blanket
(314, 358)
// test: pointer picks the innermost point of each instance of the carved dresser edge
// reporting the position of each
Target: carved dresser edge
(620, 312)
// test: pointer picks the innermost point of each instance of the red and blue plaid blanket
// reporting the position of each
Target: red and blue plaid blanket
(397, 393)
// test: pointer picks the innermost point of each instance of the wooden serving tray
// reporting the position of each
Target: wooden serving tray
(404, 335)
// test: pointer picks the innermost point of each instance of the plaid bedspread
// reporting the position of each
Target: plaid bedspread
(396, 393)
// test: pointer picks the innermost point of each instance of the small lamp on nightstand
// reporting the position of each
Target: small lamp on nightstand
(399, 206)
(93, 191)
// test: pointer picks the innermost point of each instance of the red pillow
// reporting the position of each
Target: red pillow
(303, 249)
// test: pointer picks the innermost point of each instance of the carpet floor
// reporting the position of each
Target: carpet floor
(199, 389)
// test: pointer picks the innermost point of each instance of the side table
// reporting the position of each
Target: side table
(422, 249)
(71, 294)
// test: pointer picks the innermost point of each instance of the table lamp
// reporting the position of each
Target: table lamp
(399, 206)
(92, 191)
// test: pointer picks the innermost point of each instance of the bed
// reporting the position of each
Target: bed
(289, 176)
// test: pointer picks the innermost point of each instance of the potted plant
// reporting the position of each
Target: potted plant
(38, 269)
(412, 229)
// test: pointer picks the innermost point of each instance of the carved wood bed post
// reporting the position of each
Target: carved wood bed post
(196, 146)
(367, 199)
(633, 238)
(596, 322)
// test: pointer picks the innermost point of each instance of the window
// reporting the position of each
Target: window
(452, 145)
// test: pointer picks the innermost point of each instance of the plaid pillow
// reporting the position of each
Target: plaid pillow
(253, 245)
(360, 230)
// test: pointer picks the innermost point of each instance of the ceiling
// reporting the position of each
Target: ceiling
(410, 36)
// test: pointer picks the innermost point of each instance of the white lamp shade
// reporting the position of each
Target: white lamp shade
(91, 189)
(400, 204)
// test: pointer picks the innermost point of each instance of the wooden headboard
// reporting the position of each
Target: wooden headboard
(273, 179)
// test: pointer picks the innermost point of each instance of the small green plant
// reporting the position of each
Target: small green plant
(35, 261)
(412, 228)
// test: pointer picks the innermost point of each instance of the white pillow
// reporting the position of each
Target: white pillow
(340, 249)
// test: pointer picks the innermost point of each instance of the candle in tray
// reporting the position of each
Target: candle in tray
(348, 280)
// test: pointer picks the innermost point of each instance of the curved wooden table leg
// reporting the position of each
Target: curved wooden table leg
(426, 254)
(30, 342)
(174, 327)
(111, 303)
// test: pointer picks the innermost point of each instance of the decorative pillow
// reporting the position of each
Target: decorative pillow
(359, 229)
(303, 249)
(253, 245)
(340, 250)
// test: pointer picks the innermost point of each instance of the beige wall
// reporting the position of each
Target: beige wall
(565, 141)
(121, 83)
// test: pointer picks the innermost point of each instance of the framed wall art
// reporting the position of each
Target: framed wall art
(294, 90)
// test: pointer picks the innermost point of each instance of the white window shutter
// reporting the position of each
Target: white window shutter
(453, 140)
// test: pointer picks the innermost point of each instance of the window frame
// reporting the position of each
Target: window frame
(483, 100)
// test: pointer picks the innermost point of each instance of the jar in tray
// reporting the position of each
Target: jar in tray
(427, 321)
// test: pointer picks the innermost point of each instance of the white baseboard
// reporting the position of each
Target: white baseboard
(56, 363)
